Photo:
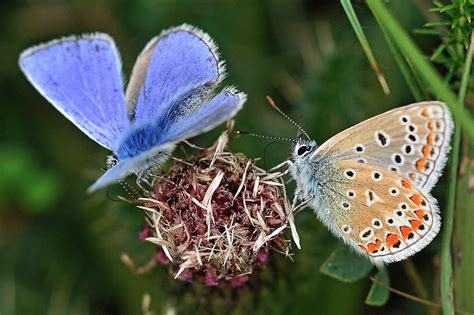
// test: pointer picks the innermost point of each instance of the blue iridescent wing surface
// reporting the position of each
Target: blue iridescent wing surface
(174, 74)
(81, 77)
(161, 137)
(219, 109)
(137, 164)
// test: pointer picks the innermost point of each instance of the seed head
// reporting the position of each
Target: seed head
(217, 217)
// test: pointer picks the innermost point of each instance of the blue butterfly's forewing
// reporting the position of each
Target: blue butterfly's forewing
(81, 77)
(179, 63)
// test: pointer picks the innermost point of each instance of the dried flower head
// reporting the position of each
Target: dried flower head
(217, 216)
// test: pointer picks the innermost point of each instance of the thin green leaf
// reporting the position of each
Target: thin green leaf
(379, 295)
(437, 23)
(431, 32)
(345, 265)
(446, 257)
(448, 7)
(438, 51)
(406, 69)
(346, 4)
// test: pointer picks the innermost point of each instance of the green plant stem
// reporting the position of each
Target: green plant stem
(463, 237)
(347, 5)
(417, 283)
(405, 295)
(420, 64)
(412, 297)
(406, 69)
(447, 295)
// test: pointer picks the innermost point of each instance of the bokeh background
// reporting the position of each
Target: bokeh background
(60, 247)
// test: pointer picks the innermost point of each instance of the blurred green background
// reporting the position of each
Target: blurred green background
(60, 247)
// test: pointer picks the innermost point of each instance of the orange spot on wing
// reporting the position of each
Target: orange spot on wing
(405, 231)
(416, 199)
(413, 176)
(425, 113)
(420, 164)
(420, 213)
(374, 246)
(431, 125)
(430, 138)
(392, 239)
(426, 151)
(406, 184)
(415, 224)
(371, 247)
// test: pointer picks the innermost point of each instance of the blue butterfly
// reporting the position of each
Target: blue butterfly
(170, 97)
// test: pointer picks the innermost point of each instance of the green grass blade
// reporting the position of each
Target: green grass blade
(464, 238)
(346, 4)
(426, 71)
(406, 69)
(446, 257)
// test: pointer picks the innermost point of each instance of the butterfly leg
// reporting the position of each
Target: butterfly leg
(160, 177)
(141, 179)
(302, 205)
(179, 160)
(298, 196)
(285, 163)
(193, 145)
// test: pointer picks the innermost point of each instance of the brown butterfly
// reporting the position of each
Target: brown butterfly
(370, 184)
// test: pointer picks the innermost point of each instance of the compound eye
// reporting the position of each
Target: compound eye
(302, 150)
(111, 161)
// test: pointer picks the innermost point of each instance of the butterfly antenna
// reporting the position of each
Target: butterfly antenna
(298, 126)
(109, 194)
(132, 193)
(242, 132)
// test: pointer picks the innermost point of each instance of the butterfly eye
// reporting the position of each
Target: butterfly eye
(303, 149)
(111, 161)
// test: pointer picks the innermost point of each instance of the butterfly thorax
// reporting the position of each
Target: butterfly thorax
(138, 140)
(304, 168)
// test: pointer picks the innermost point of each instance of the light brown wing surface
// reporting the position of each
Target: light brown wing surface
(412, 140)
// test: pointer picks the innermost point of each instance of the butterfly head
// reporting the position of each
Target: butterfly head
(112, 160)
(304, 149)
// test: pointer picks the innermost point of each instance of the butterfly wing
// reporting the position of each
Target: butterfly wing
(220, 109)
(412, 140)
(175, 73)
(81, 77)
(373, 180)
(137, 164)
(169, 99)
(380, 213)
